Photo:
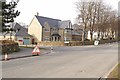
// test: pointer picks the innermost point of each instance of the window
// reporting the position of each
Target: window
(67, 39)
(67, 31)
(46, 38)
(46, 30)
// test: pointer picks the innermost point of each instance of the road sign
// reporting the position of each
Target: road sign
(36, 50)
(96, 42)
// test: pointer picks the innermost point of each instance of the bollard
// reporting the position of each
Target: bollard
(51, 49)
(6, 57)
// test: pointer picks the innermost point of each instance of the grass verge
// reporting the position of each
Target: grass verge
(115, 73)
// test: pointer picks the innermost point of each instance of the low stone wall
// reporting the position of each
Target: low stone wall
(80, 43)
(107, 41)
(73, 43)
(7, 46)
(49, 43)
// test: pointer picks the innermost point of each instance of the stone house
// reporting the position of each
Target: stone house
(49, 29)
(19, 35)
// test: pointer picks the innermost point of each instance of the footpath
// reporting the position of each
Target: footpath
(23, 53)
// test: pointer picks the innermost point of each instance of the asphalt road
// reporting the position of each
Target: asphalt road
(65, 62)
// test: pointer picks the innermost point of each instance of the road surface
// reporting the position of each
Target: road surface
(65, 62)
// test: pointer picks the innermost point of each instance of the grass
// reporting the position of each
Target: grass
(115, 73)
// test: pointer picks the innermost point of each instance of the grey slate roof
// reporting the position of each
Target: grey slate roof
(53, 22)
(22, 31)
(64, 24)
(16, 26)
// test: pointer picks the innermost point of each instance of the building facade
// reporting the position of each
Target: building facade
(48, 29)
(19, 35)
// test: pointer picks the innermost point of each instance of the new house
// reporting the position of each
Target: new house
(20, 35)
(49, 29)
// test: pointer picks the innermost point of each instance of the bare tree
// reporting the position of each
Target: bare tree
(96, 16)
(83, 16)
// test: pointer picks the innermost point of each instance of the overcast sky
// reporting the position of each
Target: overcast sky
(58, 9)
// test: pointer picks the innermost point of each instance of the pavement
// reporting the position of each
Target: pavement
(64, 62)
(24, 52)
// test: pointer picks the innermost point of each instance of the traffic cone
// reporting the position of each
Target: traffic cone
(6, 57)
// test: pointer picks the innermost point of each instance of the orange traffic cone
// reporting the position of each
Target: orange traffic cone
(6, 57)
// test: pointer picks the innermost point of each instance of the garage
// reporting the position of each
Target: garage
(26, 41)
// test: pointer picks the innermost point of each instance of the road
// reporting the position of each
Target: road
(65, 62)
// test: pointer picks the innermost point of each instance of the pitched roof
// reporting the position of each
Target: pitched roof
(20, 31)
(54, 22)
(51, 22)
(64, 24)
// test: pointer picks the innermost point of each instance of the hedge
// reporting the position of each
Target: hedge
(8, 46)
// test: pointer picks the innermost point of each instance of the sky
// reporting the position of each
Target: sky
(57, 9)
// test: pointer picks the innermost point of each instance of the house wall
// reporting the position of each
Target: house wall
(46, 32)
(68, 35)
(20, 40)
(54, 31)
(35, 29)
(65, 35)
(61, 33)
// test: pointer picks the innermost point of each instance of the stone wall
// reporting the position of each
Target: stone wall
(73, 43)
(61, 43)
(49, 43)
(108, 41)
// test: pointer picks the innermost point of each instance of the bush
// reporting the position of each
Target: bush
(86, 40)
(107, 41)
(8, 46)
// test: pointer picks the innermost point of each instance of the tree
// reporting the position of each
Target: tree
(8, 15)
(83, 16)
(96, 16)
(0, 16)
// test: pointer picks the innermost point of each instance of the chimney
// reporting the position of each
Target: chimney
(37, 14)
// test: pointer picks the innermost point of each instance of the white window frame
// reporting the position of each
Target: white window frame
(46, 38)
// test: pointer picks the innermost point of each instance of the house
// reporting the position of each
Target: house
(49, 29)
(19, 34)
(77, 32)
